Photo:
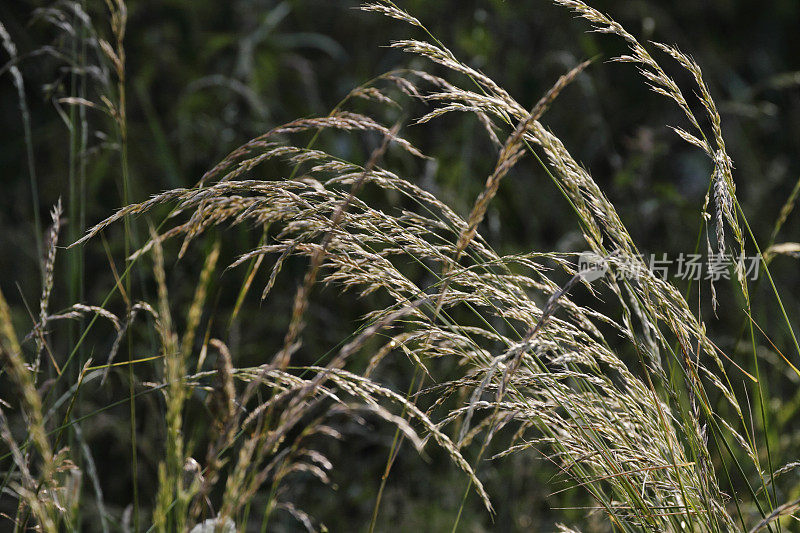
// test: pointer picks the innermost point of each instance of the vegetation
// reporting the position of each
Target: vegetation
(319, 332)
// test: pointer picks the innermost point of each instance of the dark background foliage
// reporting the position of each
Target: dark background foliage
(205, 76)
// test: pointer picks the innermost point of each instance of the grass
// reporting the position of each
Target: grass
(616, 382)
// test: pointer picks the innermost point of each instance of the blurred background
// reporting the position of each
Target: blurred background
(205, 76)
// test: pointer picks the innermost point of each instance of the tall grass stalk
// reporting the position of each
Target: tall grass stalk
(19, 85)
(614, 379)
